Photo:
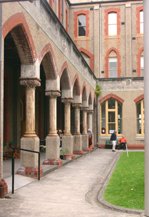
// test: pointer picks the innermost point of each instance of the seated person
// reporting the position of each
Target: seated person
(122, 143)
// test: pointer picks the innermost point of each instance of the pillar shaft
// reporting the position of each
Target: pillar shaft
(30, 110)
(77, 120)
(53, 115)
(84, 122)
(146, 100)
(67, 118)
(90, 120)
(30, 84)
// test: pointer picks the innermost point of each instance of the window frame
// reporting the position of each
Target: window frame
(112, 24)
(107, 111)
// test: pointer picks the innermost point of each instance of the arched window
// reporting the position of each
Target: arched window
(140, 117)
(82, 25)
(112, 24)
(141, 22)
(111, 117)
(112, 65)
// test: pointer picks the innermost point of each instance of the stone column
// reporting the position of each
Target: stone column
(77, 149)
(30, 140)
(90, 123)
(146, 100)
(84, 133)
(67, 139)
(52, 140)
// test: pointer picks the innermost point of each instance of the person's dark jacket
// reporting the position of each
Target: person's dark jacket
(113, 137)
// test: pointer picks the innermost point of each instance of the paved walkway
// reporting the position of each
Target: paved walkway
(70, 191)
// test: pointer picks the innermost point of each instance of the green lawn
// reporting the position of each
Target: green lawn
(126, 186)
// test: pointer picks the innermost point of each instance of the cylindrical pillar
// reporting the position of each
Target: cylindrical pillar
(77, 119)
(90, 120)
(53, 115)
(67, 117)
(30, 85)
(84, 121)
(146, 100)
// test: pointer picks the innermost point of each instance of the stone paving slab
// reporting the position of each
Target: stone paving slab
(70, 191)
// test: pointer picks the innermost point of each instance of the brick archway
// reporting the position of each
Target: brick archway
(19, 29)
(105, 98)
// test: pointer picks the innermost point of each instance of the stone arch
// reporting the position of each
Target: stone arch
(65, 80)
(17, 26)
(47, 59)
(76, 91)
(84, 96)
(65, 84)
(111, 96)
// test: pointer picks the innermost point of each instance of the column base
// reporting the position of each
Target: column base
(29, 159)
(52, 147)
(77, 144)
(3, 188)
(29, 171)
(67, 146)
(79, 152)
(85, 142)
(53, 162)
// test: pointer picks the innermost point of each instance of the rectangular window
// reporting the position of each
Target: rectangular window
(112, 24)
(81, 25)
(112, 67)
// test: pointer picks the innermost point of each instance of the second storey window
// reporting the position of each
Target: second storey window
(81, 25)
(112, 67)
(141, 22)
(112, 24)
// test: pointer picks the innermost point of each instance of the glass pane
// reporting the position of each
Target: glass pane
(111, 117)
(112, 67)
(141, 16)
(111, 127)
(112, 30)
(112, 18)
(139, 130)
(82, 25)
(111, 103)
(141, 28)
(138, 110)
(82, 20)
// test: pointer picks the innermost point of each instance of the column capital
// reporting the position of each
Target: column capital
(90, 111)
(53, 93)
(76, 105)
(84, 108)
(30, 82)
(67, 100)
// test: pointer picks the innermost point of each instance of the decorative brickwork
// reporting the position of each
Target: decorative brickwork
(107, 97)
(138, 9)
(106, 13)
(19, 29)
(76, 14)
(90, 56)
(117, 52)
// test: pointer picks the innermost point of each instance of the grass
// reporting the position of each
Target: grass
(126, 186)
